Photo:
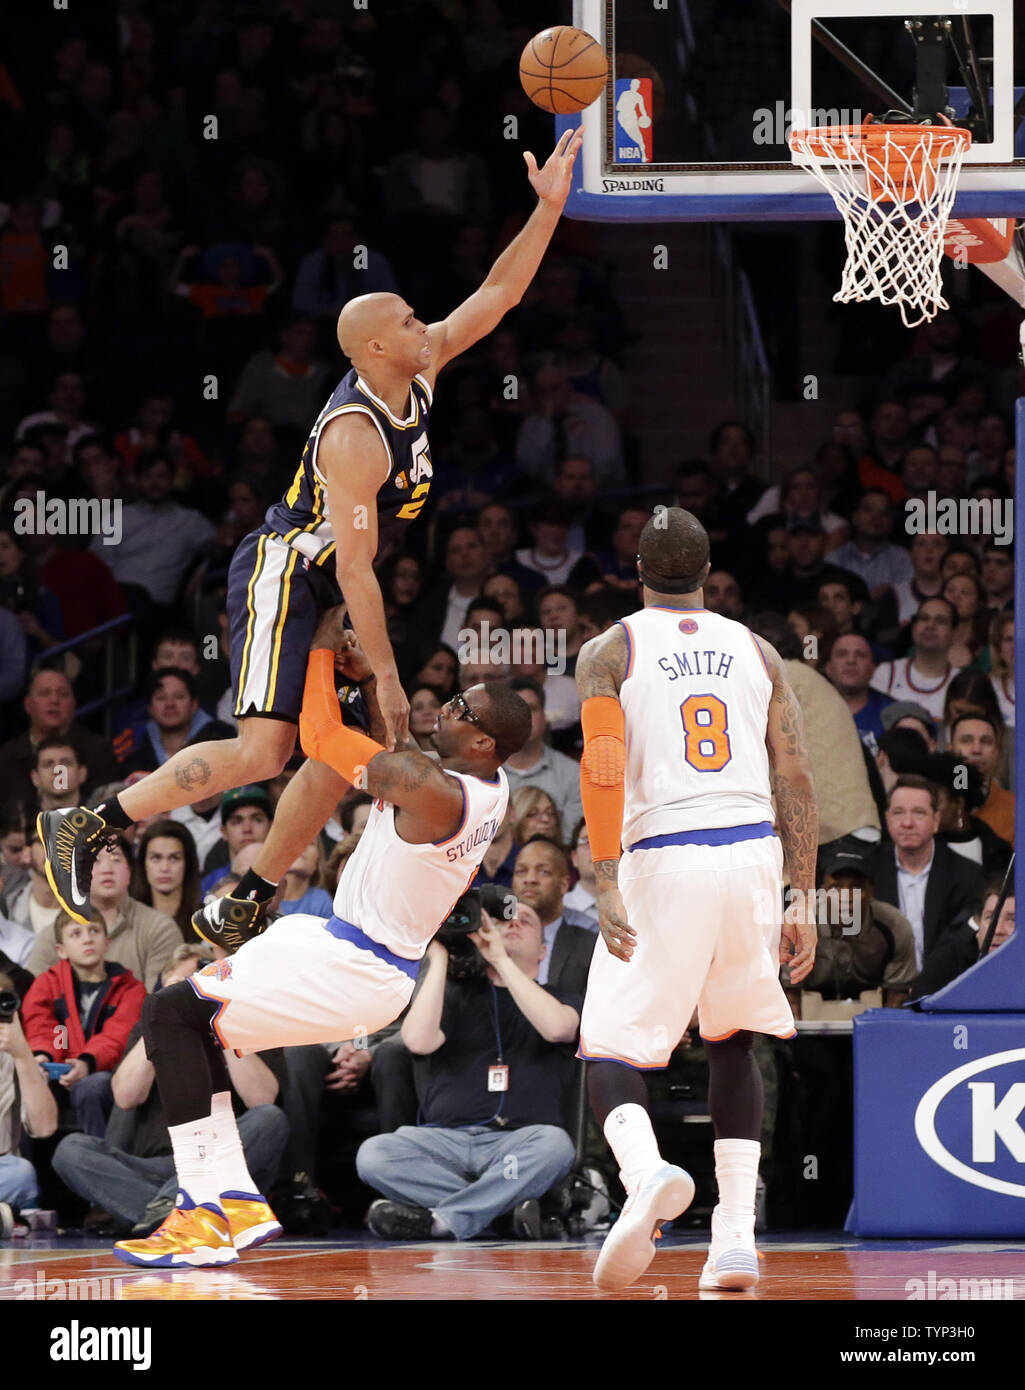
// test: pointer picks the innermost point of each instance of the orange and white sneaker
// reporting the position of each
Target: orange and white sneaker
(192, 1235)
(250, 1219)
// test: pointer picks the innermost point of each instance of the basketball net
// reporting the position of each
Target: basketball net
(894, 186)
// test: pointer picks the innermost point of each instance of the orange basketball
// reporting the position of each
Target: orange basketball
(563, 69)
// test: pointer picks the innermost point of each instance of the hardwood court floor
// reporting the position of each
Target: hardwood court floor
(801, 1267)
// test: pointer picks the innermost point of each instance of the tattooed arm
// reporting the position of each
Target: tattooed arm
(601, 670)
(797, 814)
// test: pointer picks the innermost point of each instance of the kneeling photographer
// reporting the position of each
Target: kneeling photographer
(493, 1076)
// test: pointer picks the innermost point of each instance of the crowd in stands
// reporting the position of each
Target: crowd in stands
(175, 364)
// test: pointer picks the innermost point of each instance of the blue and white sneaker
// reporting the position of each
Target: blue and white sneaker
(629, 1247)
(732, 1261)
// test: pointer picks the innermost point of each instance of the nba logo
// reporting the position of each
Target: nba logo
(688, 625)
(633, 120)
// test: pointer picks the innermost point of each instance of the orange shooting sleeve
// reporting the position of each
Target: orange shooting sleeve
(321, 732)
(602, 769)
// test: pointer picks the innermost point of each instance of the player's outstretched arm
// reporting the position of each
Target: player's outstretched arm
(601, 669)
(352, 458)
(517, 265)
(797, 815)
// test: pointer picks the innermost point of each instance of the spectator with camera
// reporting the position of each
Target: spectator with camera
(493, 1079)
(78, 1016)
(25, 1103)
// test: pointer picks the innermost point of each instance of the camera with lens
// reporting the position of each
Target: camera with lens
(464, 960)
(9, 1005)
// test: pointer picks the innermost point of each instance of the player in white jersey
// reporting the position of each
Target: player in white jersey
(690, 731)
(307, 980)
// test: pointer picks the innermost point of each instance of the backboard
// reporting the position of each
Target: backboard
(694, 122)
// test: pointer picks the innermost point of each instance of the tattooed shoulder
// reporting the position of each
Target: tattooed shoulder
(601, 663)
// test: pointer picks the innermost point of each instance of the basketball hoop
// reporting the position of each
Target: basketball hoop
(894, 186)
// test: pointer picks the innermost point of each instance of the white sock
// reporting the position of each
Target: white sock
(193, 1146)
(736, 1173)
(232, 1170)
(632, 1139)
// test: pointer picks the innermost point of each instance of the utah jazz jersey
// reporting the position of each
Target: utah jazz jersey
(302, 518)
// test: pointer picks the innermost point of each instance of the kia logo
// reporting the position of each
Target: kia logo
(991, 1120)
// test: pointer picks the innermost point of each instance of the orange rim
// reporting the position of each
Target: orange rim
(874, 146)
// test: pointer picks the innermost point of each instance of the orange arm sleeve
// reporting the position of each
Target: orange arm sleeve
(602, 769)
(321, 732)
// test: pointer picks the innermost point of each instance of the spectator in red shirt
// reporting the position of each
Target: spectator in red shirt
(81, 1012)
(225, 294)
(24, 261)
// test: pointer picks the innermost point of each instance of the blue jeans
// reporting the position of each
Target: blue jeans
(93, 1100)
(124, 1185)
(18, 1184)
(466, 1177)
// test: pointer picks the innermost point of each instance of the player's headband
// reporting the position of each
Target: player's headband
(672, 584)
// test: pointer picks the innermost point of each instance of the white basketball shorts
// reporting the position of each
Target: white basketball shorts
(708, 921)
(298, 983)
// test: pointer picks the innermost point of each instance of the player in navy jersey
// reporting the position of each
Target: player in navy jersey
(364, 474)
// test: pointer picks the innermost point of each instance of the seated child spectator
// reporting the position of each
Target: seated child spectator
(81, 1011)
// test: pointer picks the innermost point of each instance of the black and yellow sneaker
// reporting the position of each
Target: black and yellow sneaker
(72, 840)
(230, 922)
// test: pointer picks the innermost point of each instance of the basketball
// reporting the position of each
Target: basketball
(563, 69)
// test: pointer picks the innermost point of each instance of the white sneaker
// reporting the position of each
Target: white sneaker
(732, 1261)
(629, 1247)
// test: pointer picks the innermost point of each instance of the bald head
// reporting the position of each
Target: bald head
(366, 317)
(674, 552)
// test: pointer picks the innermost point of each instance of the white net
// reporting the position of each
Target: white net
(894, 187)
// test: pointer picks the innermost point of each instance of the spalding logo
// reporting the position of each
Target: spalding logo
(992, 1120)
(688, 625)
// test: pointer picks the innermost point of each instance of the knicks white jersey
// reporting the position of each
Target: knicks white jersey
(696, 701)
(398, 893)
